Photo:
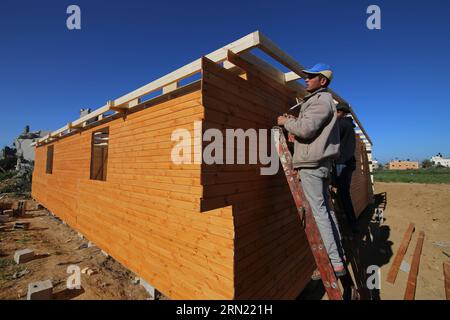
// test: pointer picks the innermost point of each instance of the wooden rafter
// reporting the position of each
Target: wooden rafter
(170, 81)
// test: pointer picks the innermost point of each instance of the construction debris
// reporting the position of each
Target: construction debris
(21, 207)
(91, 272)
(82, 246)
(48, 235)
(23, 256)
(88, 271)
(4, 218)
(20, 274)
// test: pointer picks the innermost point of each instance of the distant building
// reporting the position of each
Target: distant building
(403, 165)
(375, 164)
(439, 160)
(23, 143)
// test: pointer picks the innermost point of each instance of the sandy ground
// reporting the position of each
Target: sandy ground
(425, 205)
(57, 246)
(428, 207)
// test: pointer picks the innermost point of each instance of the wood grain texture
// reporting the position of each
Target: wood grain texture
(393, 271)
(410, 291)
(146, 214)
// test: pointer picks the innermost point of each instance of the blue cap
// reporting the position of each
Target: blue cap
(321, 68)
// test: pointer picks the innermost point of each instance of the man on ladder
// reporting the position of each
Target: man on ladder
(316, 146)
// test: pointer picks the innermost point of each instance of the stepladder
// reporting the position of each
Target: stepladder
(304, 210)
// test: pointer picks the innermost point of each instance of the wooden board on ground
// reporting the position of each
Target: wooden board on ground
(447, 279)
(412, 278)
(393, 271)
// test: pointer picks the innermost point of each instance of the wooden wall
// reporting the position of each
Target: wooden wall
(272, 258)
(146, 214)
(360, 179)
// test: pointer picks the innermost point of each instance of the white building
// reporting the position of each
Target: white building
(439, 160)
(375, 164)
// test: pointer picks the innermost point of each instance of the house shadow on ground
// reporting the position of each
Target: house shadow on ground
(372, 244)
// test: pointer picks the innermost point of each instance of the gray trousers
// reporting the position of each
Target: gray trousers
(315, 183)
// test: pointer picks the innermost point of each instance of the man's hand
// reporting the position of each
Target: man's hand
(291, 137)
(281, 120)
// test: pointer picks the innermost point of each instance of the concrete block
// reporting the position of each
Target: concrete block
(148, 287)
(22, 256)
(40, 290)
(21, 207)
(21, 225)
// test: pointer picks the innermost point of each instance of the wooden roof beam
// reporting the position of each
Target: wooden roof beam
(122, 103)
(270, 48)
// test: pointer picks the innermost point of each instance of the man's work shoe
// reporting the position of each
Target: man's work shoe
(339, 271)
(316, 275)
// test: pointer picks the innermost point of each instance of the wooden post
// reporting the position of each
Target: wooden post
(170, 87)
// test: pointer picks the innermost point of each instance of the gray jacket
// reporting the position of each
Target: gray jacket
(316, 130)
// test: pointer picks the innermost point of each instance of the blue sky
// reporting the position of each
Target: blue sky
(396, 78)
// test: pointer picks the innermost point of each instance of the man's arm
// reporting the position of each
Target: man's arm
(311, 123)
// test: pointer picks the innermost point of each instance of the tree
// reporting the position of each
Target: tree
(426, 163)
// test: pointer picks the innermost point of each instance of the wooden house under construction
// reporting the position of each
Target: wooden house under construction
(191, 230)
